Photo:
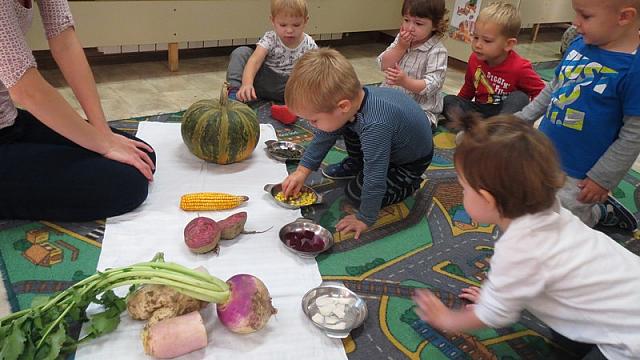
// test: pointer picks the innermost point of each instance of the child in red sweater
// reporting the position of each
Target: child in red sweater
(498, 80)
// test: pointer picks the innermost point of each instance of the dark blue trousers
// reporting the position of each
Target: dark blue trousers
(44, 176)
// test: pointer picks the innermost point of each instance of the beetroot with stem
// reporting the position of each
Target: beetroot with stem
(233, 226)
(249, 306)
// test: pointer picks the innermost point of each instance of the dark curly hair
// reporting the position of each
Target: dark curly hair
(433, 10)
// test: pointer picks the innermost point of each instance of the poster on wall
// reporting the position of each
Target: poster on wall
(465, 13)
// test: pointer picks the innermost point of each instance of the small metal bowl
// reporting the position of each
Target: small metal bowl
(275, 150)
(274, 189)
(355, 311)
(301, 225)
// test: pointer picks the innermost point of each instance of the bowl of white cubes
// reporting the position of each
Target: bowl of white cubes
(335, 309)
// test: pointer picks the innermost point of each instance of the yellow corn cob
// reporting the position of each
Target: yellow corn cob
(210, 201)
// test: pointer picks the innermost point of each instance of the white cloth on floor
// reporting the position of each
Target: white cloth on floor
(158, 225)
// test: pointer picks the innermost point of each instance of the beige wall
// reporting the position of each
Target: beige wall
(105, 23)
(531, 12)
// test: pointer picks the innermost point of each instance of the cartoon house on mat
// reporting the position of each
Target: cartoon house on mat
(461, 218)
(44, 254)
(37, 236)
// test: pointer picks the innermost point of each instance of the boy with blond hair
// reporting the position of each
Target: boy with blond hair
(498, 80)
(387, 135)
(263, 72)
(592, 110)
(578, 281)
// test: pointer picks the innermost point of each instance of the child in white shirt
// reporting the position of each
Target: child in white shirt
(416, 61)
(577, 280)
(263, 72)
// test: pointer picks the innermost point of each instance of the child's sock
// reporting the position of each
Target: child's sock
(600, 210)
(613, 213)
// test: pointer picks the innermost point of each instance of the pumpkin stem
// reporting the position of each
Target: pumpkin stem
(224, 94)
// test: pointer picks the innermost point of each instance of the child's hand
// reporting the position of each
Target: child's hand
(395, 76)
(471, 294)
(246, 93)
(405, 38)
(591, 192)
(293, 183)
(431, 309)
(351, 223)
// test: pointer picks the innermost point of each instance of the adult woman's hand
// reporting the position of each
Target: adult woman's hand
(128, 151)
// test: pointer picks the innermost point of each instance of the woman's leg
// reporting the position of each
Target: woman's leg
(45, 176)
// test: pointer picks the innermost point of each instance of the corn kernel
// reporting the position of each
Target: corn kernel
(303, 198)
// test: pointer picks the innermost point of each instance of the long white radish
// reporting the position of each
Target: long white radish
(174, 337)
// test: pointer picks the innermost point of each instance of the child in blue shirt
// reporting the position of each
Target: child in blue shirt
(592, 110)
(386, 133)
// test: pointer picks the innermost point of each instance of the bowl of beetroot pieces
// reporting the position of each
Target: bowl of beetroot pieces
(306, 238)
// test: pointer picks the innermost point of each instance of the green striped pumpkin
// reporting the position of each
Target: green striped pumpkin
(220, 131)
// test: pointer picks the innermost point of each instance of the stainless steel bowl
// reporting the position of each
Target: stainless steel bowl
(355, 310)
(274, 189)
(275, 147)
(301, 225)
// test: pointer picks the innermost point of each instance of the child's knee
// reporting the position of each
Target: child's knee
(451, 103)
(518, 99)
(242, 52)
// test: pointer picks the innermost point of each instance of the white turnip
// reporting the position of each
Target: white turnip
(249, 305)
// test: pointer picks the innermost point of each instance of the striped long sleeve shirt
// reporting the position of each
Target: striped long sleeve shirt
(392, 130)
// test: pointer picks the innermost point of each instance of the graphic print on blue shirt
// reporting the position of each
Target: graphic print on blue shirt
(594, 93)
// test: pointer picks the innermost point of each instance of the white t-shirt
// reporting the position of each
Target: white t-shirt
(280, 58)
(577, 280)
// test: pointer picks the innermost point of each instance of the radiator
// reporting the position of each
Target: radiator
(120, 49)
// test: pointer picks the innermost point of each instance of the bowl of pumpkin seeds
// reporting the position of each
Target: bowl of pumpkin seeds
(284, 150)
(306, 197)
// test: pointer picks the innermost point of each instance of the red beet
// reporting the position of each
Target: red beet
(202, 235)
(233, 225)
(306, 241)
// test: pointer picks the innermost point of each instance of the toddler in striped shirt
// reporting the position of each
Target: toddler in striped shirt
(386, 133)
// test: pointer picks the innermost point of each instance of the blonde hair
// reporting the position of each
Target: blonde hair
(289, 8)
(503, 14)
(631, 3)
(433, 10)
(514, 162)
(320, 79)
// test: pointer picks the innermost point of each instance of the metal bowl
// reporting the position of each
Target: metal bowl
(274, 189)
(275, 150)
(355, 310)
(301, 225)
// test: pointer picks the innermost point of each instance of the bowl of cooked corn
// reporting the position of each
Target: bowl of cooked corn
(307, 196)
(284, 150)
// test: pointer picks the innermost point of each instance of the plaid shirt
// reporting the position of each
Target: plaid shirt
(429, 62)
